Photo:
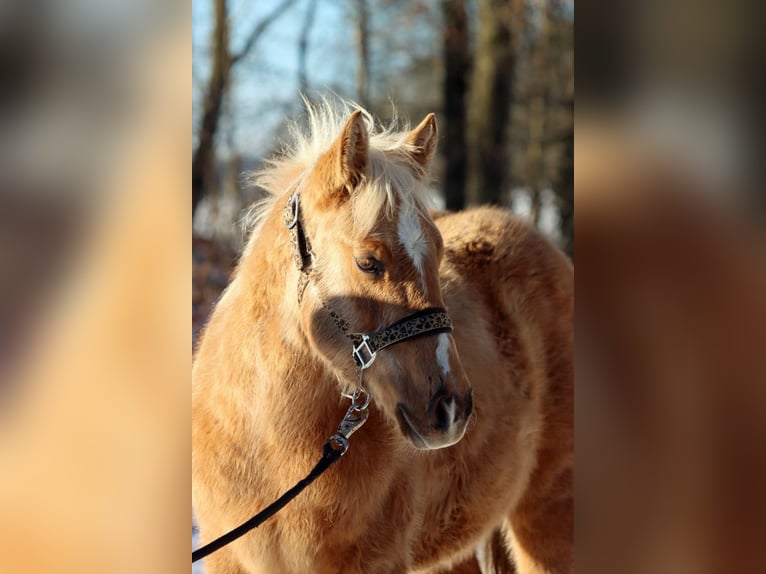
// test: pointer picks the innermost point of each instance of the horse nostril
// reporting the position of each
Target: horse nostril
(443, 418)
(443, 413)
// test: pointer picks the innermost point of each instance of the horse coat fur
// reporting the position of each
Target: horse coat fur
(268, 373)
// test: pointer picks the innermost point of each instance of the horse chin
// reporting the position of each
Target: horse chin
(418, 440)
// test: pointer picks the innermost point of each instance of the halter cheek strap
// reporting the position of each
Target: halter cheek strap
(365, 346)
(300, 246)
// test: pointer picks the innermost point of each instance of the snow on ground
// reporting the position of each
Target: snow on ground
(197, 568)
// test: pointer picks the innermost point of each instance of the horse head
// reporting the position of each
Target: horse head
(375, 255)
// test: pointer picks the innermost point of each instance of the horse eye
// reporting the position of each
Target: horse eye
(369, 265)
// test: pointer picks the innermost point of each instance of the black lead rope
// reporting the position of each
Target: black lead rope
(335, 447)
(330, 456)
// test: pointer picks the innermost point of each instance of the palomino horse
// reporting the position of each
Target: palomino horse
(466, 457)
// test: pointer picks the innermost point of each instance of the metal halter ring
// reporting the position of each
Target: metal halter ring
(356, 403)
(339, 443)
(363, 354)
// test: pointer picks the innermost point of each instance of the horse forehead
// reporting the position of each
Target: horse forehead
(412, 236)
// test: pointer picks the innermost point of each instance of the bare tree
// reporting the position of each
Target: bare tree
(203, 158)
(560, 62)
(363, 43)
(565, 188)
(456, 69)
(223, 60)
(490, 103)
(303, 45)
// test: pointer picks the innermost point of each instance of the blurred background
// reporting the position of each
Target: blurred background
(670, 399)
(96, 125)
(498, 73)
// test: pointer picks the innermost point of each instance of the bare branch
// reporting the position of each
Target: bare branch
(362, 78)
(260, 29)
(303, 46)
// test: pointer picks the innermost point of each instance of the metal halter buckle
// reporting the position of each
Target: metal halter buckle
(292, 205)
(364, 348)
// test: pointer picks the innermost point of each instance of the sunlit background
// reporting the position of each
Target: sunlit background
(499, 76)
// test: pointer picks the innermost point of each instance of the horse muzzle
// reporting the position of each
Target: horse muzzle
(442, 425)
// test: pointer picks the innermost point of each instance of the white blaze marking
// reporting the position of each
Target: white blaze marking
(442, 354)
(411, 237)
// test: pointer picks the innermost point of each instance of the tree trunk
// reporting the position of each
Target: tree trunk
(565, 190)
(456, 66)
(203, 159)
(363, 37)
(303, 46)
(535, 205)
(490, 103)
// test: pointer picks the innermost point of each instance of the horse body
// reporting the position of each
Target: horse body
(266, 397)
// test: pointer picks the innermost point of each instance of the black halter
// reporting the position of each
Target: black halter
(365, 346)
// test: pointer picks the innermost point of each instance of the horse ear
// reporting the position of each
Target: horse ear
(423, 139)
(346, 161)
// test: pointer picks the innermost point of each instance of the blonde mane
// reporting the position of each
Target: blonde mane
(391, 182)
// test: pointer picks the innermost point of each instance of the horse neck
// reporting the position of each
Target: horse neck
(290, 378)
